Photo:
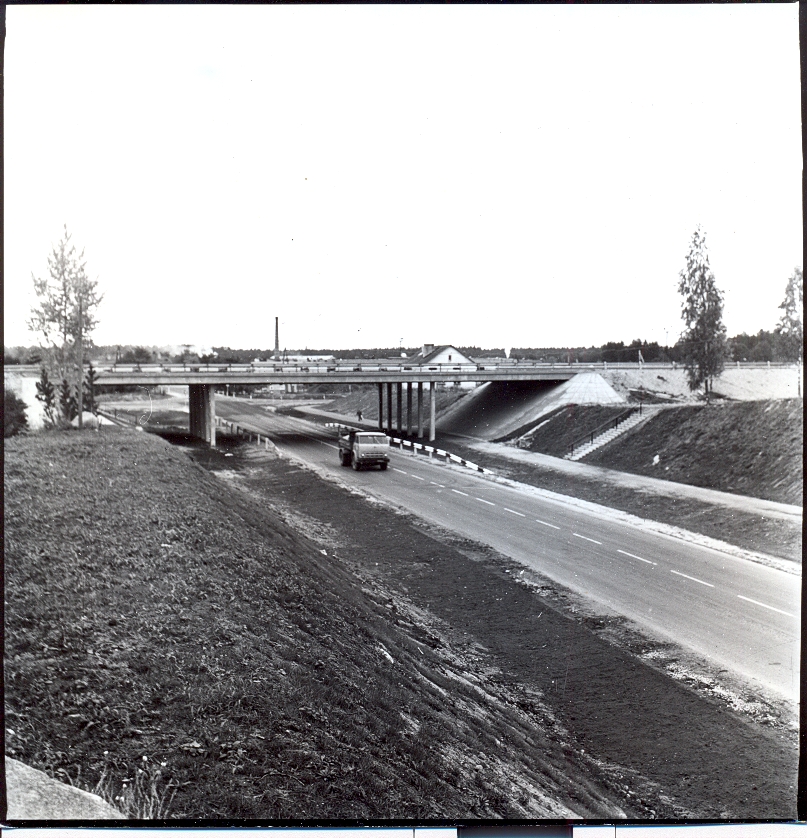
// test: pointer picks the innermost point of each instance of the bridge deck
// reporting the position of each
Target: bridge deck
(372, 373)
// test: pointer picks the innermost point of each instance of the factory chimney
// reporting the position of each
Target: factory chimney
(277, 338)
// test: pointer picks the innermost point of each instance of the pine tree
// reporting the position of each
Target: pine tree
(46, 393)
(704, 338)
(790, 327)
(67, 303)
(68, 405)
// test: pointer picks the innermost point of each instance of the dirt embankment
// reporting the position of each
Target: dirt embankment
(568, 426)
(750, 448)
(158, 620)
(276, 657)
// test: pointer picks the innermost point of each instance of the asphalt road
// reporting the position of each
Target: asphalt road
(740, 615)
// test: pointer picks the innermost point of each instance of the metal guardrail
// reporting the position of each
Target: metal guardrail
(589, 436)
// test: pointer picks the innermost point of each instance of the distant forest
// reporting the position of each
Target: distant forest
(764, 346)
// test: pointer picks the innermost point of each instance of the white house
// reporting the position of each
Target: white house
(431, 354)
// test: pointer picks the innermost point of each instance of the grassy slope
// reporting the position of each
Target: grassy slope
(570, 425)
(154, 618)
(751, 448)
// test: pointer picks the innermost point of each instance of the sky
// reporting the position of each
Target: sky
(379, 175)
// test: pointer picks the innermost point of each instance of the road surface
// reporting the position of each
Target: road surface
(740, 615)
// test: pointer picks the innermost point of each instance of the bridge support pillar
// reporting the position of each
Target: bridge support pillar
(389, 408)
(420, 410)
(380, 407)
(202, 409)
(432, 411)
(399, 396)
(409, 408)
(193, 415)
(210, 412)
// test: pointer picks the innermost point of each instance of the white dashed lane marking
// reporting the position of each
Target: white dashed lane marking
(460, 493)
(699, 581)
(416, 477)
(586, 538)
(489, 503)
(635, 557)
(440, 485)
(546, 524)
(762, 604)
(514, 512)
(400, 470)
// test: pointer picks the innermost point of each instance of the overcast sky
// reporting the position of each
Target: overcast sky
(375, 175)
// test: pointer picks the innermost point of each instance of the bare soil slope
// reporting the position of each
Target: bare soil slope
(750, 448)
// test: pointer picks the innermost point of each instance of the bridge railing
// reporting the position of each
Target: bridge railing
(337, 367)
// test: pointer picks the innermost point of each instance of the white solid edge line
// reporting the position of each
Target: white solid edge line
(586, 538)
(762, 604)
(459, 492)
(699, 581)
(546, 524)
(514, 512)
(635, 557)
(488, 502)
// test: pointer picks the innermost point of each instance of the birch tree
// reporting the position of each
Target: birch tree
(703, 341)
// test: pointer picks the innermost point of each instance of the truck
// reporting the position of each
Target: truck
(362, 449)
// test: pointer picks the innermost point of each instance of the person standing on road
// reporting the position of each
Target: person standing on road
(358, 413)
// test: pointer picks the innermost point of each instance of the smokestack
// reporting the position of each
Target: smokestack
(277, 338)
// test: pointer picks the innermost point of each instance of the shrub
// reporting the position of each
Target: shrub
(14, 419)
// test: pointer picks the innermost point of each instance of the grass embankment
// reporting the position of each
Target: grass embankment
(749, 448)
(555, 433)
(157, 621)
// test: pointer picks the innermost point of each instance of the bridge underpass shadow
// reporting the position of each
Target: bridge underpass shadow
(497, 408)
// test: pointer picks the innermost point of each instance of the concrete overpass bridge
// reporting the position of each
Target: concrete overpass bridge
(203, 379)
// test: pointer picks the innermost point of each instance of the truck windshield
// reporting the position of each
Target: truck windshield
(373, 439)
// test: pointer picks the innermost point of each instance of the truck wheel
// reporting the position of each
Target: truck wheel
(355, 463)
(383, 466)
